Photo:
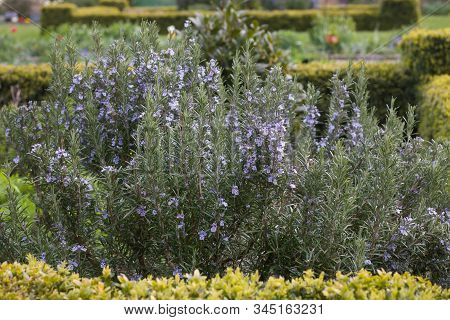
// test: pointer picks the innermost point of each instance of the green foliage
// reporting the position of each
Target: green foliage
(365, 17)
(146, 161)
(119, 4)
(229, 31)
(435, 108)
(30, 81)
(427, 51)
(56, 14)
(397, 13)
(332, 34)
(17, 212)
(37, 280)
(386, 80)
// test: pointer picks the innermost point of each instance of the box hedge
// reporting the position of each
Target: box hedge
(434, 109)
(37, 280)
(385, 81)
(32, 80)
(119, 4)
(427, 51)
(366, 17)
(56, 14)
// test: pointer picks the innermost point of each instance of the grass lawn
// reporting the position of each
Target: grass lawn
(24, 32)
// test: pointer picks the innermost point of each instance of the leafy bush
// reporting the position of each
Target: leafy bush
(28, 82)
(397, 13)
(333, 33)
(435, 108)
(56, 14)
(147, 162)
(228, 31)
(37, 280)
(427, 51)
(119, 4)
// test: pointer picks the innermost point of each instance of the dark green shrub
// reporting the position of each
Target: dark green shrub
(397, 13)
(427, 51)
(56, 14)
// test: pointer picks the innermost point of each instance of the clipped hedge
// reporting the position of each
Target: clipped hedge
(366, 17)
(37, 280)
(57, 14)
(435, 108)
(397, 13)
(427, 51)
(119, 4)
(385, 81)
(32, 80)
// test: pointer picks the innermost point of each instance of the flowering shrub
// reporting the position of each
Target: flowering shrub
(332, 34)
(37, 280)
(145, 161)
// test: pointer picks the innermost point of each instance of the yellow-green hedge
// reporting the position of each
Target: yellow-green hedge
(37, 280)
(366, 17)
(427, 51)
(385, 81)
(435, 108)
(119, 4)
(32, 80)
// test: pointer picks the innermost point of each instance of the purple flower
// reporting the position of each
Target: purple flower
(103, 263)
(234, 190)
(141, 211)
(78, 248)
(202, 235)
(43, 256)
(16, 159)
(214, 227)
(177, 271)
(222, 203)
(173, 202)
(72, 265)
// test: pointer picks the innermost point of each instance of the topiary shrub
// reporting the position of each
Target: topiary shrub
(56, 14)
(146, 161)
(397, 13)
(37, 280)
(427, 51)
(435, 108)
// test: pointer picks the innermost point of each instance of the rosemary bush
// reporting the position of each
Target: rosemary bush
(145, 161)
